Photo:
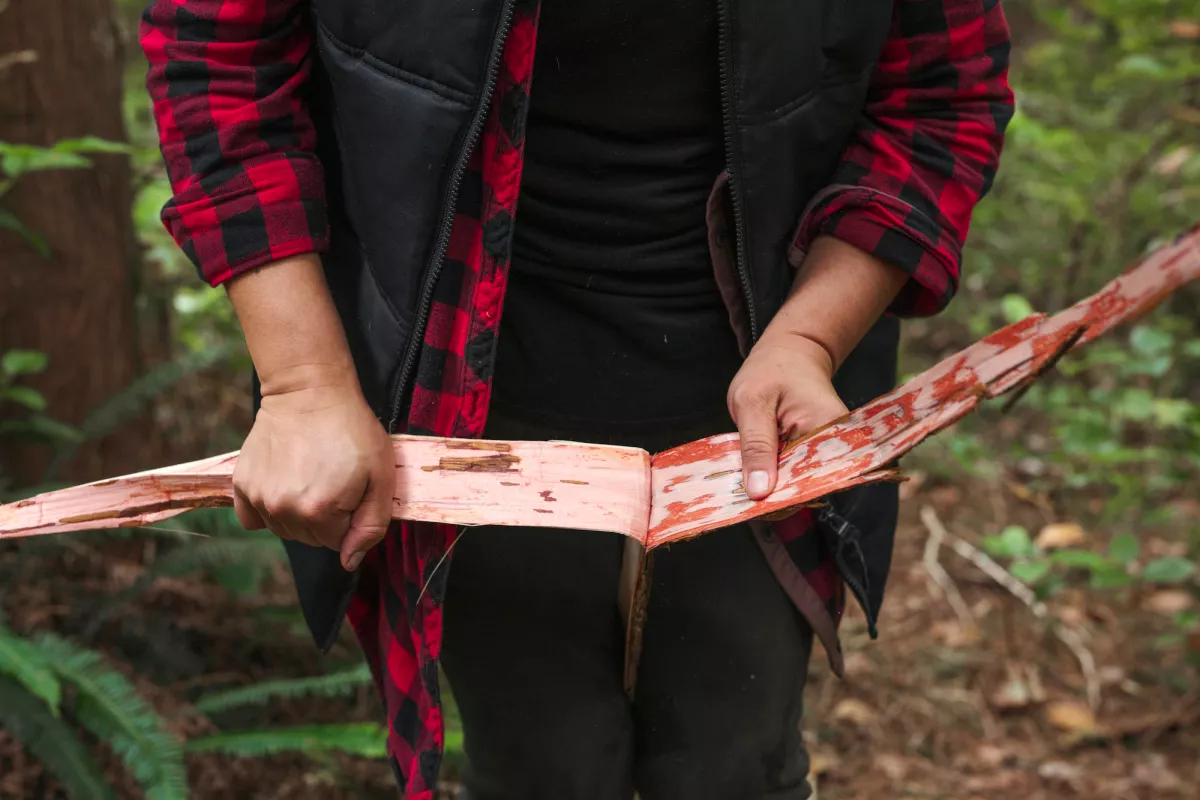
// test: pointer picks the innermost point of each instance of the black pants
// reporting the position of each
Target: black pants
(533, 649)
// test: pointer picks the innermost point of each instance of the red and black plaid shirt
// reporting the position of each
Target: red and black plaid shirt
(227, 79)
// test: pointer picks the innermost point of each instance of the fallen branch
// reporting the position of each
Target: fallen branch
(1067, 635)
(933, 544)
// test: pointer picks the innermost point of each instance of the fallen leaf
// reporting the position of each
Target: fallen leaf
(893, 766)
(1021, 688)
(1060, 534)
(1155, 774)
(1060, 771)
(1071, 616)
(1172, 162)
(858, 664)
(822, 762)
(952, 634)
(1168, 602)
(991, 756)
(1184, 28)
(854, 711)
(1071, 716)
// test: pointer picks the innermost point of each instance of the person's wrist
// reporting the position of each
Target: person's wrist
(311, 378)
(801, 342)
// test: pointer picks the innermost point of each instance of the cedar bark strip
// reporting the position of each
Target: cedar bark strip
(679, 493)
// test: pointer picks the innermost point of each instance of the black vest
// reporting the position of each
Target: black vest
(399, 91)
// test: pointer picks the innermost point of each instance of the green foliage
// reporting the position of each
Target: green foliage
(1116, 569)
(1101, 164)
(27, 664)
(366, 739)
(109, 706)
(33, 674)
(17, 160)
(51, 741)
(133, 399)
(14, 366)
(335, 684)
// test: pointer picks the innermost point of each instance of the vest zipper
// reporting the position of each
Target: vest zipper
(729, 113)
(417, 337)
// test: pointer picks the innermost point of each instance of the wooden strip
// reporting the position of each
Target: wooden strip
(459, 481)
(698, 486)
(692, 488)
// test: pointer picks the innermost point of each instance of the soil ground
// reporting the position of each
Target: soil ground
(939, 707)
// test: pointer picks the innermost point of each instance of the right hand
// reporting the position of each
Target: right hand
(318, 468)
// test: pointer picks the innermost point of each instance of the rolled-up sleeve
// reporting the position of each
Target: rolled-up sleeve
(227, 81)
(926, 148)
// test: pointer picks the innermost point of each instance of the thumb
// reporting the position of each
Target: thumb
(759, 432)
(368, 524)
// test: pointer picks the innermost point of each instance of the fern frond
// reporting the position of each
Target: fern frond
(366, 739)
(22, 661)
(51, 742)
(110, 707)
(262, 551)
(335, 684)
(252, 549)
(129, 402)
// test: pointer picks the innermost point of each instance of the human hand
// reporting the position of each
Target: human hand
(784, 388)
(317, 466)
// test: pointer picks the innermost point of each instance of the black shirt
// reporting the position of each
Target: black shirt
(612, 315)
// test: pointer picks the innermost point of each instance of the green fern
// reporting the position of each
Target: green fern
(109, 706)
(51, 742)
(253, 549)
(129, 402)
(366, 739)
(262, 550)
(335, 684)
(25, 663)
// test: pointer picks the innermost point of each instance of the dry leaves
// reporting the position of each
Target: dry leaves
(1168, 602)
(1071, 716)
(856, 712)
(1184, 28)
(1060, 534)
(1021, 688)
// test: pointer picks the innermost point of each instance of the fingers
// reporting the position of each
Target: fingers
(799, 416)
(755, 414)
(369, 522)
(247, 515)
(287, 516)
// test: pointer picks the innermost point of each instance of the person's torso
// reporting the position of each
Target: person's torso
(612, 316)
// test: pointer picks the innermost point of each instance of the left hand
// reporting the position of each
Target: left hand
(784, 388)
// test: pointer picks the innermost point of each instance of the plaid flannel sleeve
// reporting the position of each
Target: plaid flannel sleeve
(227, 81)
(926, 148)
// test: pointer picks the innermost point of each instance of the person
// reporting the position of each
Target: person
(695, 215)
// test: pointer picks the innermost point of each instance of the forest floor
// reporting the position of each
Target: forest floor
(987, 705)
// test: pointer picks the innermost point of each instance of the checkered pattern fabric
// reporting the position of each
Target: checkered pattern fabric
(926, 149)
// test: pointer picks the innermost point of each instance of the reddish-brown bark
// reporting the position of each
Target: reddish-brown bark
(680, 493)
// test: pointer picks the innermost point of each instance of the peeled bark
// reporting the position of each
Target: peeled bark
(78, 305)
(679, 493)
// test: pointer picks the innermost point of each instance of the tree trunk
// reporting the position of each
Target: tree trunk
(77, 306)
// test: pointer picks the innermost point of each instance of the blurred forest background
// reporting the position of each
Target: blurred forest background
(1042, 633)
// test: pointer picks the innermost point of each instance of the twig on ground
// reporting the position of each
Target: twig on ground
(937, 572)
(1067, 635)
